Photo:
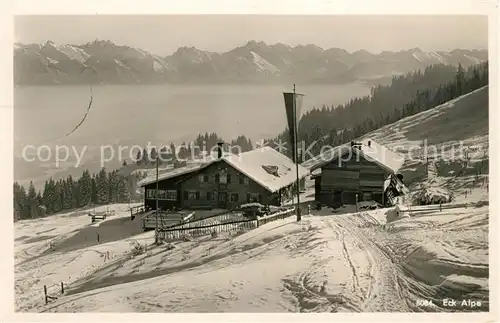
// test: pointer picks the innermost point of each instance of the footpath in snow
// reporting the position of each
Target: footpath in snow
(326, 263)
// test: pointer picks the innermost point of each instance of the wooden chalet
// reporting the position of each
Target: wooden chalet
(359, 171)
(262, 175)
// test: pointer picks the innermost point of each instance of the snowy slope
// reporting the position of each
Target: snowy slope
(448, 134)
(343, 263)
(262, 64)
(73, 52)
(380, 260)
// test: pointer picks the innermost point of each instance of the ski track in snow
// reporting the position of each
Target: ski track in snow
(339, 263)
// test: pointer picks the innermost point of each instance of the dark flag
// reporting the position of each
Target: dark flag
(292, 117)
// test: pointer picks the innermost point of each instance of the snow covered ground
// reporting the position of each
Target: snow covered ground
(36, 267)
(329, 263)
(385, 260)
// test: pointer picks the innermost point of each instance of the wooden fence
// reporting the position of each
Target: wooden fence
(180, 233)
(165, 219)
(230, 221)
(280, 215)
(441, 207)
(136, 210)
(217, 219)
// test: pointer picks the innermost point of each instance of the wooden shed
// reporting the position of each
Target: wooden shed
(359, 171)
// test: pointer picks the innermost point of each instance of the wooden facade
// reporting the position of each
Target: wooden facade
(224, 187)
(349, 179)
(216, 186)
(169, 194)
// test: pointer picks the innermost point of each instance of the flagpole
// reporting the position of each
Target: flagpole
(156, 198)
(295, 151)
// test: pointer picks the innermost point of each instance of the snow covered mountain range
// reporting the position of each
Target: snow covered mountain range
(104, 62)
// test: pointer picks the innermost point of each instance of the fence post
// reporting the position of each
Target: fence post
(62, 288)
(98, 237)
(45, 293)
(440, 206)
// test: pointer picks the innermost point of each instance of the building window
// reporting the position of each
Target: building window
(205, 178)
(162, 194)
(234, 197)
(210, 196)
(217, 178)
(243, 180)
(169, 195)
(200, 178)
(228, 178)
(191, 195)
(253, 198)
(223, 178)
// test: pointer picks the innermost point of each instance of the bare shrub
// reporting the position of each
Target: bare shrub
(169, 246)
(187, 237)
(432, 195)
(241, 230)
(482, 203)
(138, 249)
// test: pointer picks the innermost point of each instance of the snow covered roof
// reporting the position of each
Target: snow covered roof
(172, 173)
(326, 157)
(382, 155)
(370, 149)
(266, 166)
(192, 166)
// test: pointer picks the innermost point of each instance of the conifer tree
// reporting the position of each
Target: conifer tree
(102, 187)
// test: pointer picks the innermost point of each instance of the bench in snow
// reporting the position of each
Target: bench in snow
(98, 216)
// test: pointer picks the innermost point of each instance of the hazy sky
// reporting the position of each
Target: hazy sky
(163, 34)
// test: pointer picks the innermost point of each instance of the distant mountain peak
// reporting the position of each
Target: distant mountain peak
(309, 46)
(254, 62)
(256, 43)
(415, 50)
(48, 43)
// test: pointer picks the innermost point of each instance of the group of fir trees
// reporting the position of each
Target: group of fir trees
(406, 95)
(67, 194)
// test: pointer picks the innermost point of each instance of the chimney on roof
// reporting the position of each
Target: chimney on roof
(219, 149)
(356, 144)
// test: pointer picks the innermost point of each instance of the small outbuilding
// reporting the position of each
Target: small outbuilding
(358, 171)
